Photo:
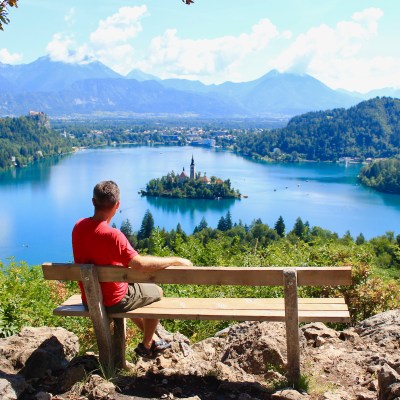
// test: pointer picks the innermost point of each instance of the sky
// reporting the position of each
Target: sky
(346, 44)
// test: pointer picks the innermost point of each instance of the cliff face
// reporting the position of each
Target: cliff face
(243, 362)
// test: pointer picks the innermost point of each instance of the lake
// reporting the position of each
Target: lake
(41, 203)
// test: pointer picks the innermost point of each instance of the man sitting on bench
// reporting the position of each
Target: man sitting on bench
(94, 241)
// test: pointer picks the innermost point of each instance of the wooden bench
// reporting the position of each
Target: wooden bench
(290, 309)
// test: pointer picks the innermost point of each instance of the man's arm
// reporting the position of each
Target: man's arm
(153, 263)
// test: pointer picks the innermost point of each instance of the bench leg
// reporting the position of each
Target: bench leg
(292, 326)
(119, 342)
(98, 315)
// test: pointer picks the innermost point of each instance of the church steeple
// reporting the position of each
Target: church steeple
(192, 171)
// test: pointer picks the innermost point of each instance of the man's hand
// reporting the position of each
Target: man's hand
(153, 263)
(182, 262)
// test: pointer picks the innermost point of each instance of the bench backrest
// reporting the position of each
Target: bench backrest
(251, 276)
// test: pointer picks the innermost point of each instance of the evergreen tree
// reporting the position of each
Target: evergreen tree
(147, 226)
(222, 224)
(228, 221)
(179, 229)
(126, 228)
(299, 229)
(347, 238)
(360, 239)
(202, 225)
(280, 227)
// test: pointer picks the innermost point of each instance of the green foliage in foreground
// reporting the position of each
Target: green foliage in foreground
(382, 175)
(26, 299)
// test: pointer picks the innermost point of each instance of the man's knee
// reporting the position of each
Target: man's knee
(161, 291)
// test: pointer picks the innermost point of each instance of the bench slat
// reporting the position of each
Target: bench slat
(76, 299)
(250, 276)
(335, 310)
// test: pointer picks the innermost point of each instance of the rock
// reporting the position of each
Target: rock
(256, 347)
(209, 348)
(36, 351)
(395, 389)
(337, 395)
(273, 376)
(222, 333)
(71, 376)
(43, 396)
(349, 335)
(318, 333)
(382, 328)
(366, 396)
(373, 386)
(11, 386)
(288, 394)
(387, 377)
(76, 371)
(98, 388)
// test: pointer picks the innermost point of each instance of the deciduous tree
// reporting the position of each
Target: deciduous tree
(4, 12)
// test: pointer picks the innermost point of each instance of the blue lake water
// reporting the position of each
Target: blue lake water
(39, 204)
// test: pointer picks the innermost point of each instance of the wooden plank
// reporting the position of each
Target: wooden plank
(250, 276)
(292, 326)
(101, 323)
(61, 272)
(227, 315)
(223, 309)
(119, 342)
(235, 315)
(238, 304)
(169, 301)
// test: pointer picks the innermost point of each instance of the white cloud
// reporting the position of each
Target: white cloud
(63, 48)
(216, 59)
(336, 55)
(110, 43)
(9, 58)
(339, 55)
(119, 27)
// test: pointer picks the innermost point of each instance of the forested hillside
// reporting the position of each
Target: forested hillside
(26, 139)
(382, 175)
(369, 129)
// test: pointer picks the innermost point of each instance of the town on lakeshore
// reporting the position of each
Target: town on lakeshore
(193, 186)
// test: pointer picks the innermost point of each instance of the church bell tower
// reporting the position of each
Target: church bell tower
(192, 172)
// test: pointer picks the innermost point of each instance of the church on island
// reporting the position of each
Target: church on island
(193, 186)
(184, 177)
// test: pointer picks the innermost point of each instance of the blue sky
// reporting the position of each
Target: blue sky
(350, 44)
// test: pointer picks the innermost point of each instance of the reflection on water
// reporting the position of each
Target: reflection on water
(37, 173)
(188, 206)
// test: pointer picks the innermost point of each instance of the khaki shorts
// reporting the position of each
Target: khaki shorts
(137, 295)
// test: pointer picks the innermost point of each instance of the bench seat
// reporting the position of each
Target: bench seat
(232, 309)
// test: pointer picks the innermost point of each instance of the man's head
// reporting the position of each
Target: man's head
(105, 196)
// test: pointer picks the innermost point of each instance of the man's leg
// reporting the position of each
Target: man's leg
(148, 327)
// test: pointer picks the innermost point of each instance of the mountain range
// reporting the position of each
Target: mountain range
(61, 89)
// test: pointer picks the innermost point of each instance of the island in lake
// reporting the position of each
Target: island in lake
(193, 186)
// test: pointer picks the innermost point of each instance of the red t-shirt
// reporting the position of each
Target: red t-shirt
(96, 242)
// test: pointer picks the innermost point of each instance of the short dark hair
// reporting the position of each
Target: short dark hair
(105, 195)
